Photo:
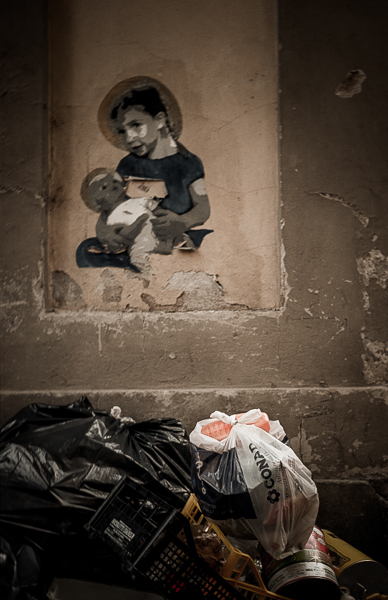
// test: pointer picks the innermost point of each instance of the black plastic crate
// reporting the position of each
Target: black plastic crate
(129, 519)
(154, 540)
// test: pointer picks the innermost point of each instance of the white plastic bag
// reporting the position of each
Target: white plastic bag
(253, 485)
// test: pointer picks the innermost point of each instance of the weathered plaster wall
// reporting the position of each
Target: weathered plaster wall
(320, 362)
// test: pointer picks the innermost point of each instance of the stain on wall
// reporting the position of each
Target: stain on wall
(109, 288)
(352, 84)
(65, 292)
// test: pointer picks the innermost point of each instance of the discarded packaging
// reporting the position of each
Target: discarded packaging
(220, 430)
(116, 411)
(253, 485)
(208, 546)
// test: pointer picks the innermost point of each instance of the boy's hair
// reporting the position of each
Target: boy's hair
(148, 98)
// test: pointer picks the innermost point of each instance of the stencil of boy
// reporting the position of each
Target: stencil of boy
(139, 123)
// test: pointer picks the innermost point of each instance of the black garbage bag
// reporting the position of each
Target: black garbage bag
(58, 464)
(20, 571)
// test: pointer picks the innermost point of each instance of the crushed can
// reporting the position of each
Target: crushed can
(305, 574)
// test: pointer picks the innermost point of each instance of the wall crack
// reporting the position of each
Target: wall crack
(364, 220)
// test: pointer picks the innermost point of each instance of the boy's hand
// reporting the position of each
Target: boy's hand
(168, 225)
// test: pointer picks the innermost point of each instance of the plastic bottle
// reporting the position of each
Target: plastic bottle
(220, 430)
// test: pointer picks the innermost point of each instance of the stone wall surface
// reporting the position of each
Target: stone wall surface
(319, 361)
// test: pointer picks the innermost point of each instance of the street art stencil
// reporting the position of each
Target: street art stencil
(156, 200)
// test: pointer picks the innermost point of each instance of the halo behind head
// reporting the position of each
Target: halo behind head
(131, 91)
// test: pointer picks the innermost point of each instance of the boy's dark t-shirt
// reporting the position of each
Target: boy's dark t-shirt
(177, 171)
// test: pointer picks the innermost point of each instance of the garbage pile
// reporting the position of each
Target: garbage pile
(227, 512)
(57, 466)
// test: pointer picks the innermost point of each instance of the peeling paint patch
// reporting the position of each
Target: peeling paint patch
(14, 293)
(285, 288)
(99, 336)
(364, 220)
(367, 472)
(365, 296)
(38, 288)
(306, 450)
(109, 288)
(357, 444)
(351, 84)
(375, 360)
(374, 266)
(199, 291)
(65, 292)
(155, 306)
(342, 328)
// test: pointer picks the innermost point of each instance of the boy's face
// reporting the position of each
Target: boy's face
(141, 130)
(104, 191)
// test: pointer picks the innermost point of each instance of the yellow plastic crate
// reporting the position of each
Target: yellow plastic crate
(237, 564)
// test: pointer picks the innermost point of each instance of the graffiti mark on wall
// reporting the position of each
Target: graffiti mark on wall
(156, 199)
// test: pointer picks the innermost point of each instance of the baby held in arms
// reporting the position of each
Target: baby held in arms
(126, 211)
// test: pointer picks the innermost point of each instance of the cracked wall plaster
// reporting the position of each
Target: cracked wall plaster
(374, 266)
(66, 293)
(351, 84)
(191, 291)
(14, 288)
(109, 288)
(364, 220)
(375, 361)
(201, 291)
(14, 298)
(366, 299)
